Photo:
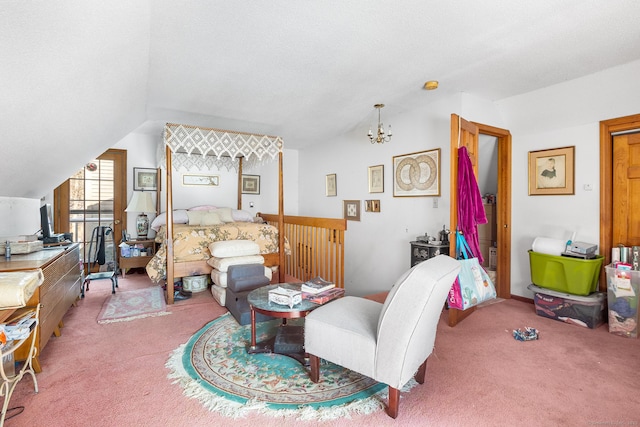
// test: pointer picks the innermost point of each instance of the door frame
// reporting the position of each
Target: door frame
(503, 205)
(607, 129)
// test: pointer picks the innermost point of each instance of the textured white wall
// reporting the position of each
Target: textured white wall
(377, 247)
(559, 116)
(19, 216)
(73, 81)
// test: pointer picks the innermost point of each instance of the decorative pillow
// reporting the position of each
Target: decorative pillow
(241, 216)
(219, 278)
(195, 217)
(225, 214)
(219, 294)
(210, 218)
(234, 248)
(179, 217)
(222, 264)
(203, 208)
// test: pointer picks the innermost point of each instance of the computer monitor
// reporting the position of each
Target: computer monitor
(46, 221)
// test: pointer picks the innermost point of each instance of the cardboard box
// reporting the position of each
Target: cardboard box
(588, 311)
(565, 274)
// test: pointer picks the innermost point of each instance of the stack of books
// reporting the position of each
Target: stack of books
(320, 291)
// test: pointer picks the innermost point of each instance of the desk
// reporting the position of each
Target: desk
(293, 335)
(58, 292)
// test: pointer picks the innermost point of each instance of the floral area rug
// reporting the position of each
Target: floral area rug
(215, 368)
(124, 306)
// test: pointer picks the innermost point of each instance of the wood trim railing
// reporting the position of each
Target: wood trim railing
(316, 244)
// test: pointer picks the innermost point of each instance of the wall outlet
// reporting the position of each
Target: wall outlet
(435, 202)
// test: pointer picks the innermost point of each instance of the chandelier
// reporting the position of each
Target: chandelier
(380, 136)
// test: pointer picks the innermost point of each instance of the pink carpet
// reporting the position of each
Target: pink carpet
(478, 375)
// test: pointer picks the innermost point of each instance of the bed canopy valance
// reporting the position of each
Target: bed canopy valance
(196, 148)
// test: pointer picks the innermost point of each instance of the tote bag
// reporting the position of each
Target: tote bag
(473, 285)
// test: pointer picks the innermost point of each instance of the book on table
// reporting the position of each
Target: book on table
(324, 297)
(316, 285)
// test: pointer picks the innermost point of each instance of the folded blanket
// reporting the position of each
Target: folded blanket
(17, 287)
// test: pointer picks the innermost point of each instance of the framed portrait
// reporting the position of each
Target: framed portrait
(250, 184)
(189, 179)
(331, 185)
(376, 179)
(417, 174)
(145, 179)
(351, 210)
(551, 172)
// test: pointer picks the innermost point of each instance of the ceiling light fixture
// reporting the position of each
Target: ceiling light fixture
(431, 85)
(380, 136)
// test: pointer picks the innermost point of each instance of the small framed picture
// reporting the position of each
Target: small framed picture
(200, 180)
(351, 210)
(551, 172)
(376, 179)
(331, 185)
(250, 184)
(145, 179)
(367, 205)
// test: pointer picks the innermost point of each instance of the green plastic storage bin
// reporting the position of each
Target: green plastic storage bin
(565, 274)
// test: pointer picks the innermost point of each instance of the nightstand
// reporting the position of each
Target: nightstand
(135, 260)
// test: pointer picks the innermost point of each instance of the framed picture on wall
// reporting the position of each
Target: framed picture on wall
(551, 172)
(145, 179)
(417, 174)
(351, 210)
(331, 185)
(189, 179)
(250, 184)
(376, 179)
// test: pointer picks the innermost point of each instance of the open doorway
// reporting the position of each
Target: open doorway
(466, 133)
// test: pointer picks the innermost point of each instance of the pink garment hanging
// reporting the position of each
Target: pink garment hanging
(470, 208)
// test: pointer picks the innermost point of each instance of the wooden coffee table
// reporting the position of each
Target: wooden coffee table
(289, 339)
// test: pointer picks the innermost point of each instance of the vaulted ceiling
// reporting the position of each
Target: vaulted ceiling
(78, 76)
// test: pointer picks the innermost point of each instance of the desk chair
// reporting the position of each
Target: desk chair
(99, 257)
(388, 342)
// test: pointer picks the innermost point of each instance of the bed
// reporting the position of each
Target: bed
(315, 245)
(191, 246)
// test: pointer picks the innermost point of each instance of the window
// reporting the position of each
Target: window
(94, 196)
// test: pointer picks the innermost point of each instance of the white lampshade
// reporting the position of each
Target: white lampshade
(141, 202)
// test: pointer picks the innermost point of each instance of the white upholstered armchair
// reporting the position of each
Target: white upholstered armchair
(387, 342)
